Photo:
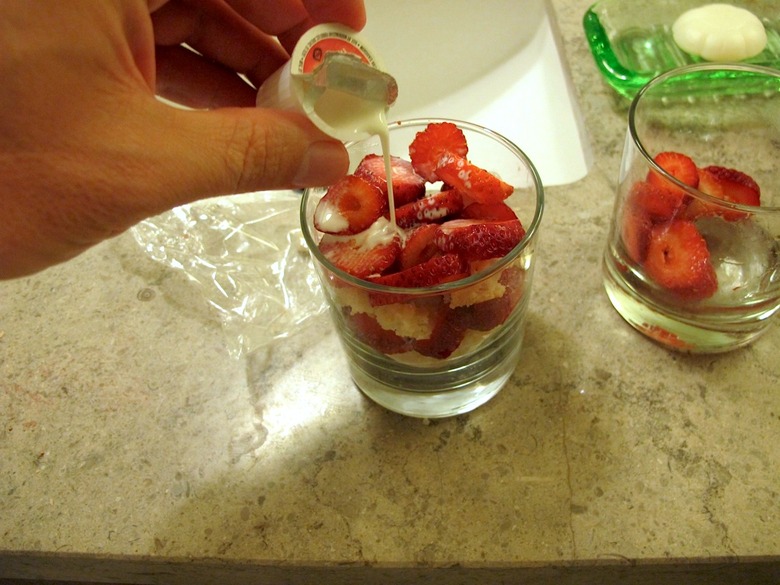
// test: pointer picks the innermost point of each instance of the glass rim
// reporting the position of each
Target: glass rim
(678, 71)
(530, 230)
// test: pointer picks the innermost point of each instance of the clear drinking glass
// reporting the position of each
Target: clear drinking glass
(720, 116)
(482, 316)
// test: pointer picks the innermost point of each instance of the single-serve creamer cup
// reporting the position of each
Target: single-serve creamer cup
(331, 72)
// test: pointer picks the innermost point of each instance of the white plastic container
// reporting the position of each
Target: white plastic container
(336, 80)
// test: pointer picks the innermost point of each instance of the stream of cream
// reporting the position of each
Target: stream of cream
(359, 116)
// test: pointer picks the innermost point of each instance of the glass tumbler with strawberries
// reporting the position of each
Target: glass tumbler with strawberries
(693, 257)
(429, 292)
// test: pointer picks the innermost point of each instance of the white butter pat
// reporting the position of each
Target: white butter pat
(720, 32)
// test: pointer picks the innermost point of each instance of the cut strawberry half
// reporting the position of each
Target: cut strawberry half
(436, 270)
(432, 208)
(349, 206)
(446, 337)
(680, 166)
(420, 246)
(479, 240)
(665, 337)
(476, 182)
(678, 260)
(635, 229)
(407, 185)
(727, 184)
(368, 330)
(485, 315)
(357, 256)
(488, 211)
(658, 203)
(429, 146)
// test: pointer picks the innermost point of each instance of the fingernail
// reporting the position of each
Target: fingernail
(324, 163)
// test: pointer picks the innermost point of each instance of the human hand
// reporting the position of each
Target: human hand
(87, 151)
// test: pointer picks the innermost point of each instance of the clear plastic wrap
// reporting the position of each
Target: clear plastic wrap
(248, 258)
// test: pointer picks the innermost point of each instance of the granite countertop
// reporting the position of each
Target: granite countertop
(134, 448)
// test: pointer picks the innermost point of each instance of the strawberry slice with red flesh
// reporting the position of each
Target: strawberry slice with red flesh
(658, 196)
(727, 184)
(407, 185)
(678, 260)
(349, 207)
(359, 258)
(368, 330)
(479, 184)
(419, 246)
(657, 202)
(436, 141)
(679, 165)
(446, 337)
(485, 315)
(488, 211)
(434, 271)
(431, 208)
(635, 229)
(479, 240)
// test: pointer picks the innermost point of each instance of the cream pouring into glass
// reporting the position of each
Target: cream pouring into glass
(337, 81)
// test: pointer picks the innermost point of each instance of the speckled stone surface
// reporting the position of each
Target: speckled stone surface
(134, 448)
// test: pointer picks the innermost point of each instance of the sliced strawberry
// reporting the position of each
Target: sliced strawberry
(349, 206)
(658, 203)
(477, 183)
(369, 331)
(429, 146)
(485, 315)
(479, 240)
(635, 232)
(445, 338)
(680, 166)
(432, 208)
(665, 337)
(729, 185)
(407, 185)
(678, 260)
(419, 246)
(436, 270)
(357, 256)
(513, 278)
(488, 211)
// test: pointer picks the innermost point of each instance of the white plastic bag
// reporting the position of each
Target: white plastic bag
(248, 258)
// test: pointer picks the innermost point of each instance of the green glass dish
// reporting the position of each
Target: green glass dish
(631, 41)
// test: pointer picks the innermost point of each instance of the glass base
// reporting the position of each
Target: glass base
(681, 332)
(435, 404)
(430, 392)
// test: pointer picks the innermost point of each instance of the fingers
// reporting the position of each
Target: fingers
(221, 35)
(289, 19)
(200, 154)
(251, 37)
(271, 16)
(151, 158)
(277, 17)
(186, 78)
(349, 12)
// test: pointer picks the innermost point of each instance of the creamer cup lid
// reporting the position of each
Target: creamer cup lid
(315, 43)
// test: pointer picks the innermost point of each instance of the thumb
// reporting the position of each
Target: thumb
(198, 154)
(120, 165)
